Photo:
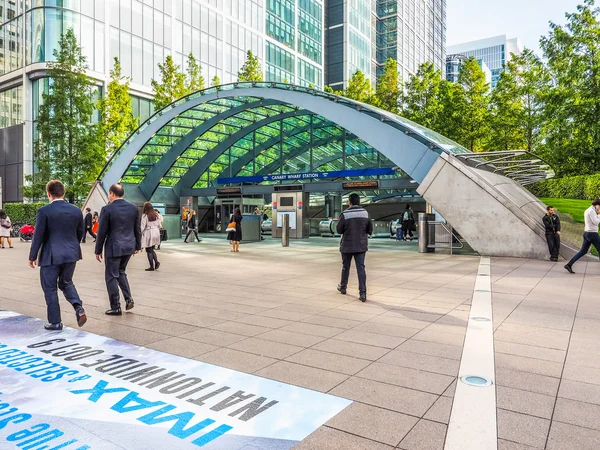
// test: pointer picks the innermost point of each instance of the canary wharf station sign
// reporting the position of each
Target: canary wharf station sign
(309, 176)
(75, 390)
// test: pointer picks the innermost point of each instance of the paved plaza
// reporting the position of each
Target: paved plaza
(274, 312)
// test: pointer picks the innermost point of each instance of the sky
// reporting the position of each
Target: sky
(469, 20)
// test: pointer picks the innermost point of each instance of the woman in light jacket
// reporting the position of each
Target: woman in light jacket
(5, 226)
(150, 234)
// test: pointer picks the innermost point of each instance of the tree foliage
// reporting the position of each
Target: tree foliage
(471, 105)
(171, 85)
(572, 103)
(359, 88)
(216, 81)
(388, 87)
(116, 115)
(422, 100)
(67, 146)
(194, 78)
(251, 70)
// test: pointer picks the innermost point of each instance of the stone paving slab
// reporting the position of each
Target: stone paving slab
(546, 347)
(275, 312)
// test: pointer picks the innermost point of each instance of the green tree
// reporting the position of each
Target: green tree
(471, 101)
(572, 103)
(422, 97)
(194, 78)
(116, 115)
(359, 88)
(516, 105)
(216, 81)
(171, 86)
(506, 111)
(388, 87)
(251, 70)
(67, 146)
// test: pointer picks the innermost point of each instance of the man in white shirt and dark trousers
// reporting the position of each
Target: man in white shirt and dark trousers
(590, 235)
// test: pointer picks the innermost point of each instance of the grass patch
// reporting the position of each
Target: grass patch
(572, 207)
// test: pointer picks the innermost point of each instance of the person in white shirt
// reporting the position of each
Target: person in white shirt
(590, 234)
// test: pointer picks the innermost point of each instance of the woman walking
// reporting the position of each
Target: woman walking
(150, 234)
(236, 236)
(192, 226)
(95, 223)
(5, 226)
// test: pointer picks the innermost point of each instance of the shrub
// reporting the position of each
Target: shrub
(22, 212)
(583, 187)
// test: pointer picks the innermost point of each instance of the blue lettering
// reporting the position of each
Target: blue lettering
(17, 436)
(98, 391)
(178, 429)
(212, 435)
(121, 406)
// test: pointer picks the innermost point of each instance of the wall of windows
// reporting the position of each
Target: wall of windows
(280, 64)
(308, 74)
(11, 107)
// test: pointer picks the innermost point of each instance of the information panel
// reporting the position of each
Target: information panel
(291, 214)
(75, 390)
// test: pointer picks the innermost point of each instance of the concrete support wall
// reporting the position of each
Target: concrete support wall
(495, 215)
(96, 199)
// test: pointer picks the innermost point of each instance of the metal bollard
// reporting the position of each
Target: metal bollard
(423, 232)
(285, 230)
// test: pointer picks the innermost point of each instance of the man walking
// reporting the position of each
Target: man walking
(88, 225)
(55, 248)
(552, 226)
(355, 226)
(591, 217)
(120, 236)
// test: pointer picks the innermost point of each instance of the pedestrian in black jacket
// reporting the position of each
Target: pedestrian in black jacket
(89, 223)
(55, 248)
(120, 236)
(355, 226)
(552, 226)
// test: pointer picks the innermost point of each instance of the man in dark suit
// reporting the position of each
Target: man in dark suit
(55, 248)
(120, 236)
(88, 225)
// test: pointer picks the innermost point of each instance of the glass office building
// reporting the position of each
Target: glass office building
(364, 34)
(286, 35)
(495, 52)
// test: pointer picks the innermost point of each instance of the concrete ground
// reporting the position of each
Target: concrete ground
(275, 312)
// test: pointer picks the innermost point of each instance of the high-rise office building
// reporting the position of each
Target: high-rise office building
(363, 34)
(495, 52)
(286, 35)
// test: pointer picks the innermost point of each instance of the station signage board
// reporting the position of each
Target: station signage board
(310, 175)
(229, 191)
(370, 184)
(76, 391)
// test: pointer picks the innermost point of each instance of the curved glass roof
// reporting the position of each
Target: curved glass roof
(242, 136)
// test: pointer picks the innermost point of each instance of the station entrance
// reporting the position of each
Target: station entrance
(242, 144)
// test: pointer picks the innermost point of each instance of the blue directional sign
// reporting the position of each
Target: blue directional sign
(310, 175)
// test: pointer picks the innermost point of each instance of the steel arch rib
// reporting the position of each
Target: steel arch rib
(196, 171)
(413, 153)
(152, 179)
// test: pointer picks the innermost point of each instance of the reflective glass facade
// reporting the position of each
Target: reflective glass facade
(364, 34)
(286, 35)
(295, 41)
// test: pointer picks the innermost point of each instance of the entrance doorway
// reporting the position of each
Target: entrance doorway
(223, 211)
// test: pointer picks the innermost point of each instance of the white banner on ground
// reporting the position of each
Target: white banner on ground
(75, 390)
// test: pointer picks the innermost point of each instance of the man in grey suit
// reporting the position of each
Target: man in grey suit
(120, 236)
(55, 248)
